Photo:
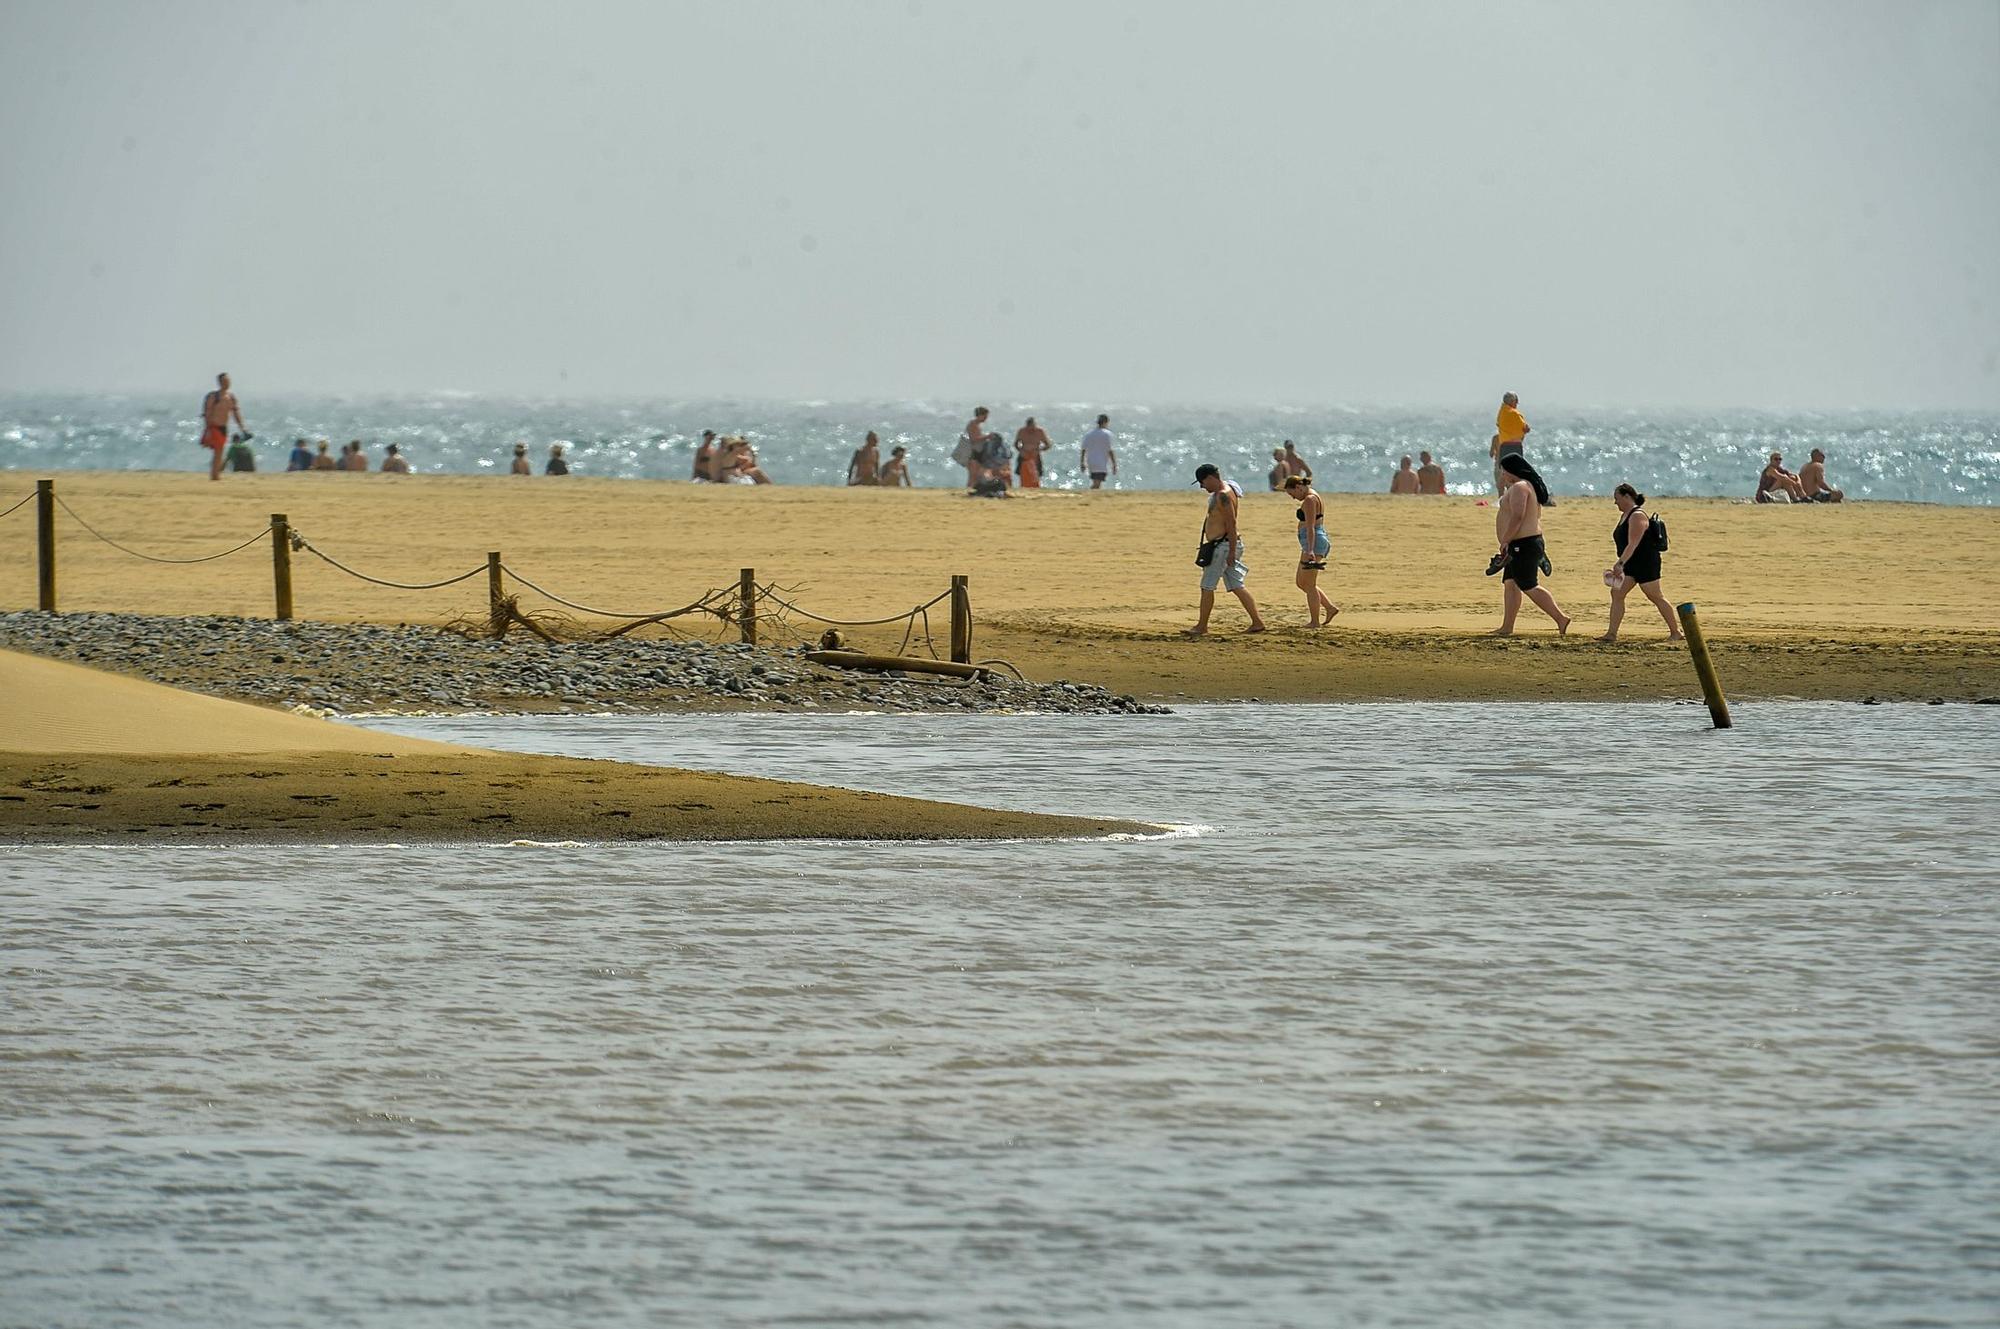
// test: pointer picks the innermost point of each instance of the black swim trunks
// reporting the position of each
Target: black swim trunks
(1524, 562)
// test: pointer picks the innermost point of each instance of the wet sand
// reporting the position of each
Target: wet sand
(1832, 602)
(90, 757)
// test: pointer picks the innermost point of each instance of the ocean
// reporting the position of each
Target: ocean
(1917, 457)
(1443, 1015)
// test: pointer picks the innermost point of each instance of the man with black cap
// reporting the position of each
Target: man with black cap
(1518, 528)
(1221, 555)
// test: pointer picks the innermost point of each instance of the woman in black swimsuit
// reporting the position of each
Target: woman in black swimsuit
(1638, 562)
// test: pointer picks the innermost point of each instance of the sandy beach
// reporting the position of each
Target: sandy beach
(1834, 602)
(91, 757)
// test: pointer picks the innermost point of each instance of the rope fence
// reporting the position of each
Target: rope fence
(746, 606)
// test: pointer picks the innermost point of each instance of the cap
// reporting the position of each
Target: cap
(1203, 471)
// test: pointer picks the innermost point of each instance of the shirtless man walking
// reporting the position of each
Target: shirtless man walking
(1223, 547)
(216, 409)
(1518, 528)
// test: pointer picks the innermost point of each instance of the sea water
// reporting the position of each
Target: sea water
(1932, 457)
(1511, 1015)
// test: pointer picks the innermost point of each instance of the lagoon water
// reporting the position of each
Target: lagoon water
(1453, 1015)
(1931, 457)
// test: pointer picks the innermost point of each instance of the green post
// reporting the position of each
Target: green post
(45, 544)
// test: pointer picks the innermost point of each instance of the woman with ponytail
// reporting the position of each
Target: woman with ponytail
(1638, 543)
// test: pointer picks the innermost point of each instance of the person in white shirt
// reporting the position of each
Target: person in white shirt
(1098, 458)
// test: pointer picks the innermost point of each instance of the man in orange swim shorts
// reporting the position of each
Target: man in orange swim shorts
(216, 408)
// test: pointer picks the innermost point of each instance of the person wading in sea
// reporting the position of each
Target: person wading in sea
(1518, 528)
(216, 409)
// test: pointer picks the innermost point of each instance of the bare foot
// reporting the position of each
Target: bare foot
(1501, 632)
(1562, 626)
(1192, 633)
(1675, 636)
(1331, 612)
(1609, 636)
(1256, 627)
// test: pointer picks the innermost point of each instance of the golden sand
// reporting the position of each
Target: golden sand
(95, 757)
(1847, 601)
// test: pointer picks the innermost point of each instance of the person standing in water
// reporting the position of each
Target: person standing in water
(895, 472)
(1314, 546)
(1221, 557)
(1030, 442)
(1638, 550)
(1510, 434)
(1518, 528)
(865, 466)
(216, 410)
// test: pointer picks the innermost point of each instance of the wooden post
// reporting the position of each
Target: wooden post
(496, 594)
(746, 593)
(45, 543)
(281, 565)
(961, 620)
(1704, 668)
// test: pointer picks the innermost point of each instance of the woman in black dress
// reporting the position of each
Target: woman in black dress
(1638, 564)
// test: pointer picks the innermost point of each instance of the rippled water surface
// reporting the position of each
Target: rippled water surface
(1932, 457)
(1506, 1015)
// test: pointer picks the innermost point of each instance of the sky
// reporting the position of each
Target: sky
(1775, 205)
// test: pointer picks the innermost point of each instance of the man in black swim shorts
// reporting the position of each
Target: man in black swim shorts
(1518, 528)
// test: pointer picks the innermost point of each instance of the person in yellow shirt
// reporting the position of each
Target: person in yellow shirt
(1511, 431)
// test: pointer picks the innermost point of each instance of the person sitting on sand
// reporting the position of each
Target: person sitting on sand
(704, 456)
(1221, 554)
(393, 463)
(896, 471)
(1638, 549)
(302, 457)
(737, 463)
(1430, 475)
(521, 466)
(1518, 529)
(1778, 485)
(241, 457)
(558, 464)
(357, 459)
(1314, 546)
(323, 460)
(1812, 479)
(865, 466)
(1030, 442)
(1280, 472)
(993, 466)
(1404, 481)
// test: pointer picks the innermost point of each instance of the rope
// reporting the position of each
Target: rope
(300, 542)
(17, 507)
(1006, 665)
(154, 558)
(698, 606)
(771, 594)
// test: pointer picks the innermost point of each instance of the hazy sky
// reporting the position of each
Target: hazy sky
(1761, 204)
